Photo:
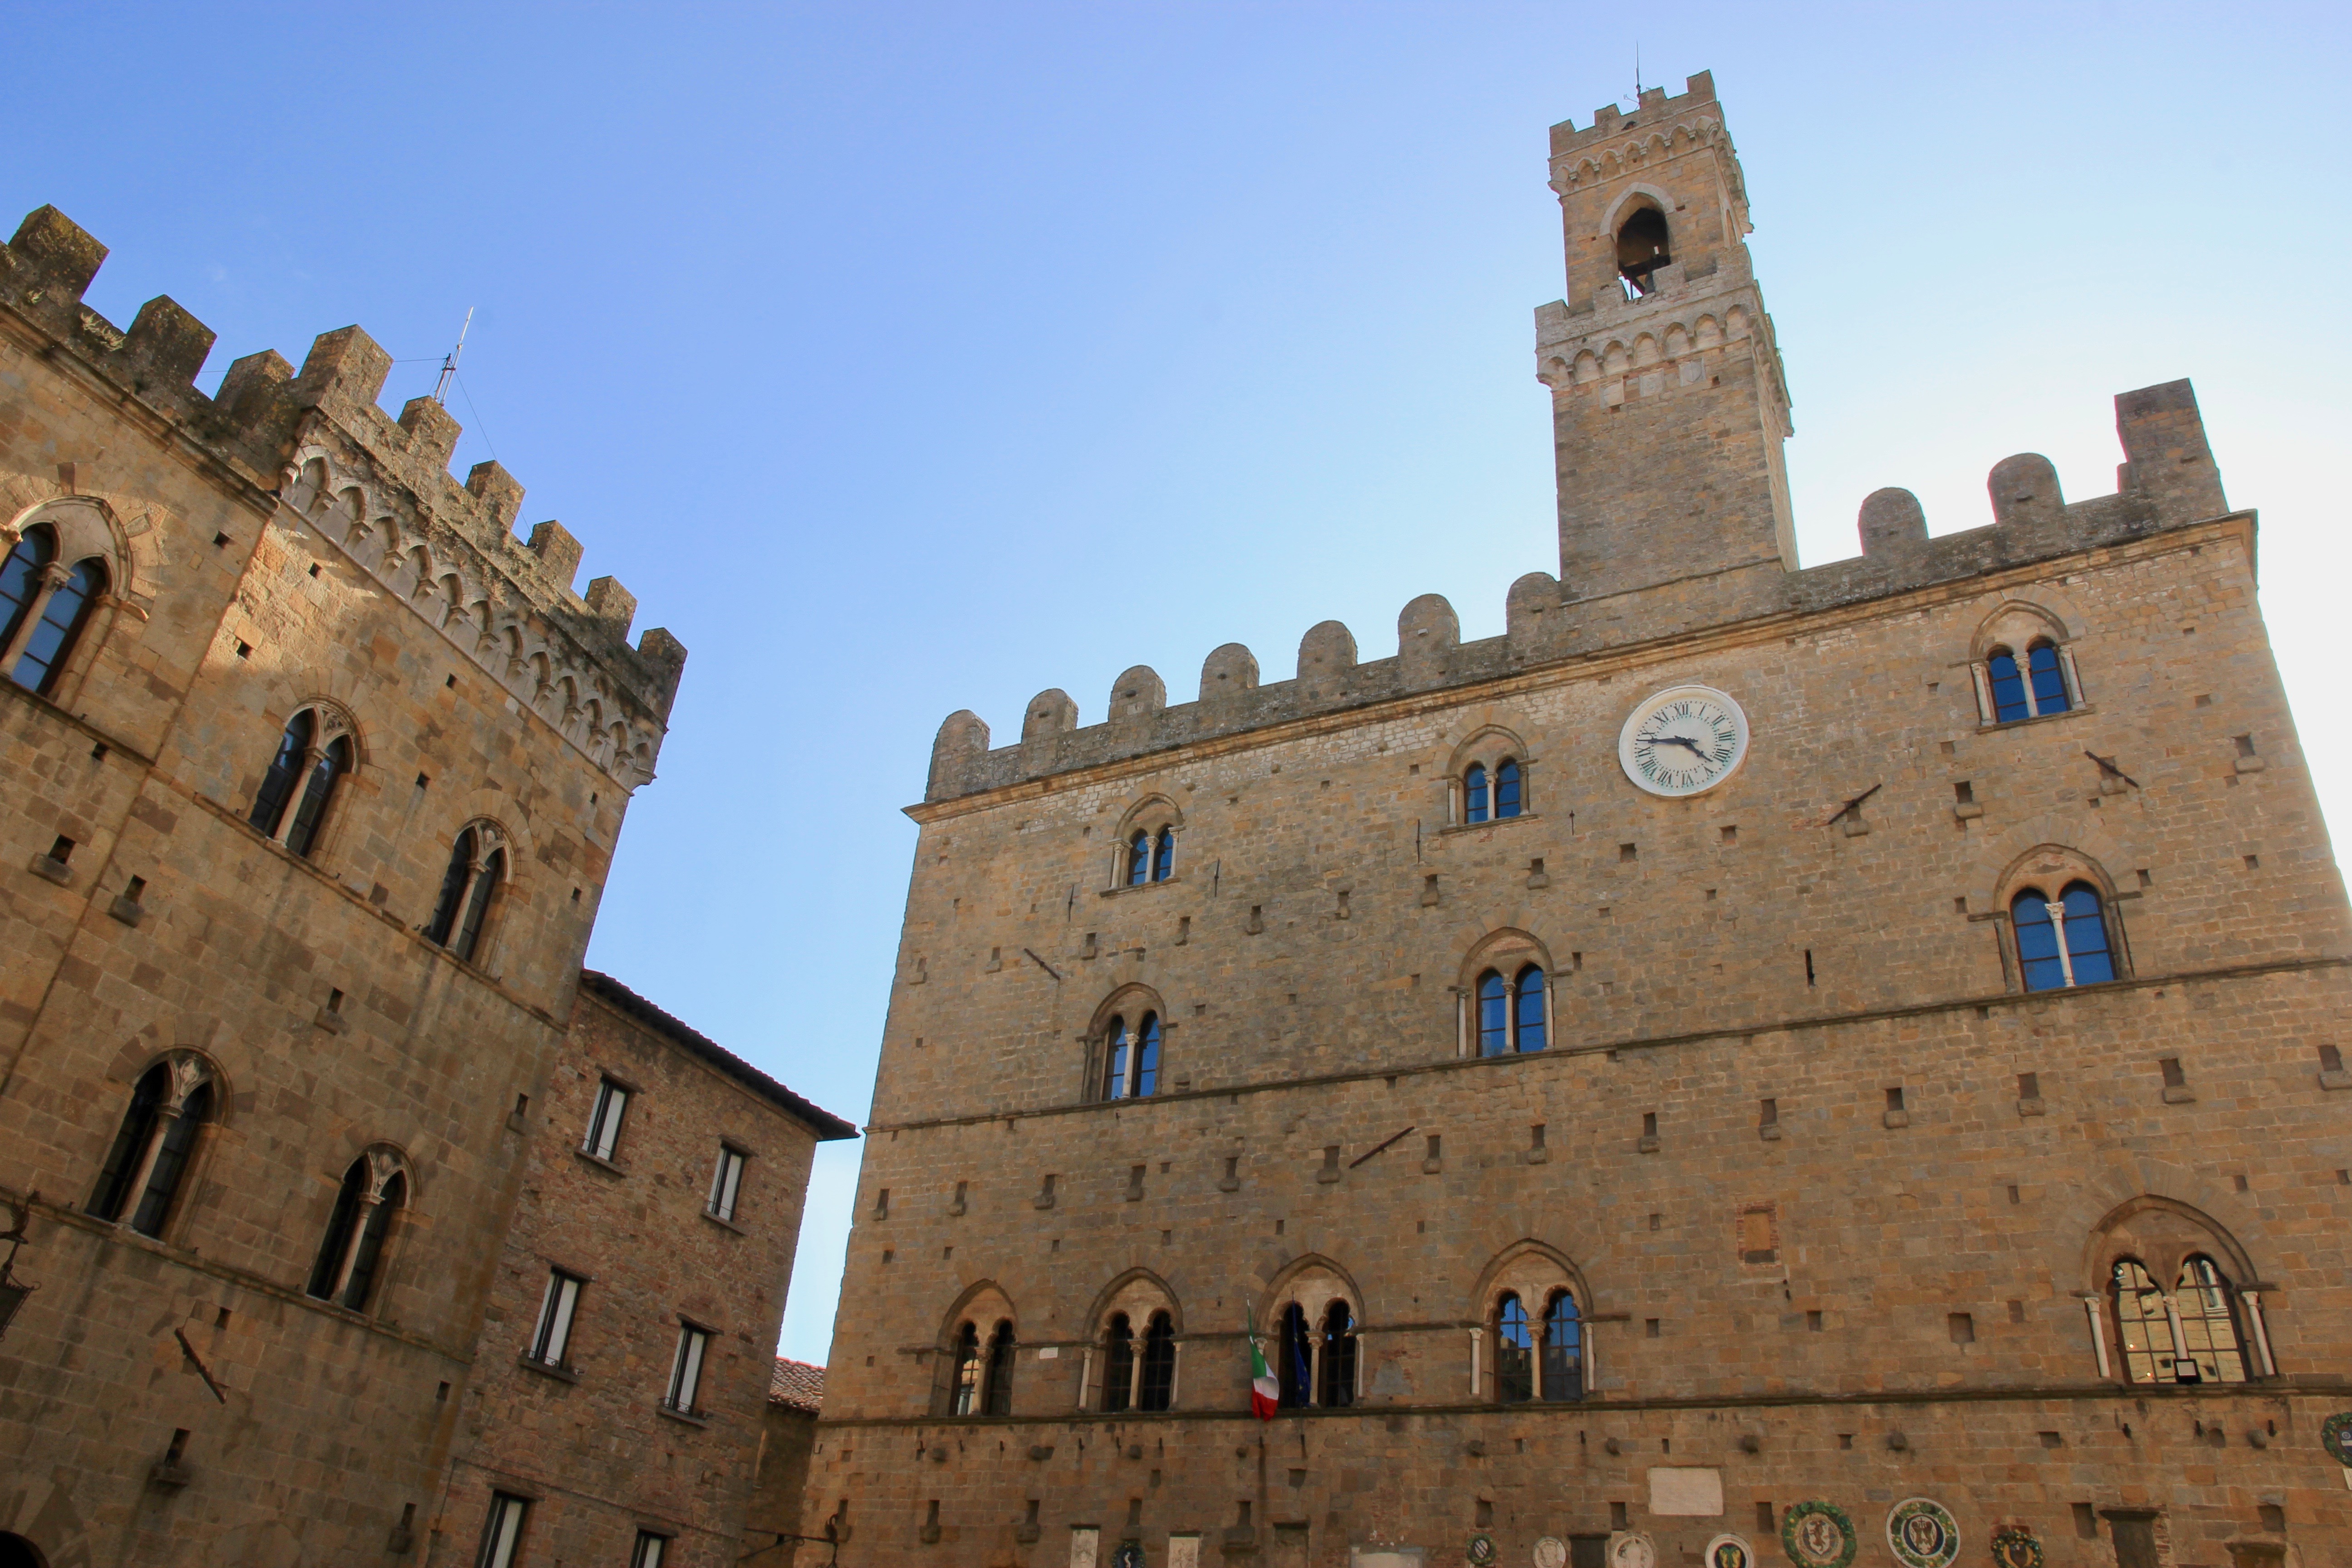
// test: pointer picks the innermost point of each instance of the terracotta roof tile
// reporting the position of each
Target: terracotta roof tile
(798, 1384)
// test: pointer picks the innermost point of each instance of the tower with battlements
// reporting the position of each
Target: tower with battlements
(1757, 1061)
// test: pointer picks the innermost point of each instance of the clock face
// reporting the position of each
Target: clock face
(1683, 742)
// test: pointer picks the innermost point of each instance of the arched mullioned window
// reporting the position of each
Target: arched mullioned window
(1562, 1372)
(1156, 1388)
(1001, 1347)
(1511, 1013)
(44, 603)
(1151, 857)
(1515, 1368)
(2188, 1336)
(148, 1161)
(1506, 788)
(971, 1372)
(2062, 942)
(2032, 688)
(1131, 1058)
(1493, 795)
(1475, 795)
(313, 755)
(1119, 1364)
(1164, 855)
(1336, 1384)
(477, 864)
(1295, 1355)
(374, 1190)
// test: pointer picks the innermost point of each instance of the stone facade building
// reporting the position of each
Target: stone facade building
(1835, 1062)
(310, 775)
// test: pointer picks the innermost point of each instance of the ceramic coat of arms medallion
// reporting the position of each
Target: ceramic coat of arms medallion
(1480, 1551)
(1551, 1552)
(1632, 1548)
(2335, 1437)
(2016, 1548)
(1129, 1554)
(1730, 1552)
(1818, 1535)
(1921, 1534)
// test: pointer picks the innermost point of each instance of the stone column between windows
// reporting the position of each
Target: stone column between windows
(1461, 1021)
(361, 1221)
(294, 795)
(2180, 1340)
(1551, 1010)
(1085, 1374)
(2092, 1308)
(136, 1192)
(1983, 683)
(2065, 955)
(1477, 1339)
(54, 576)
(2067, 673)
(2253, 1300)
(1175, 1370)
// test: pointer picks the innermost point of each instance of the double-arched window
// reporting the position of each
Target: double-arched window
(2062, 942)
(44, 603)
(2187, 1335)
(313, 756)
(1537, 1358)
(477, 864)
(148, 1162)
(1315, 1367)
(1133, 1383)
(1131, 1058)
(1151, 857)
(374, 1190)
(984, 1375)
(1494, 796)
(2032, 688)
(1511, 1011)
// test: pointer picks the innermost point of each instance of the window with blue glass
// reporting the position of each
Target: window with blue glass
(1131, 1058)
(2033, 688)
(1151, 857)
(1514, 1358)
(1492, 796)
(2062, 942)
(43, 606)
(1563, 1373)
(1511, 1013)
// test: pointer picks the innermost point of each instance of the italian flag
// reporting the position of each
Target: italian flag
(1266, 1393)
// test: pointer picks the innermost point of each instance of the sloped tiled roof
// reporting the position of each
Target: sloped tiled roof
(798, 1384)
(824, 1124)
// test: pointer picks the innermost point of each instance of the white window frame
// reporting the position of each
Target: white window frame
(727, 1181)
(685, 1367)
(502, 1531)
(559, 1309)
(604, 1121)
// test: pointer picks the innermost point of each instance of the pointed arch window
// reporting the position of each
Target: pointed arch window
(1139, 859)
(1119, 1364)
(2031, 688)
(1511, 1014)
(148, 1161)
(1515, 1372)
(373, 1190)
(1295, 1353)
(1339, 1367)
(1001, 1348)
(477, 864)
(2190, 1336)
(2062, 942)
(1131, 1058)
(970, 1371)
(1164, 855)
(1506, 788)
(1151, 857)
(309, 761)
(1156, 1389)
(43, 605)
(1474, 795)
(1563, 1373)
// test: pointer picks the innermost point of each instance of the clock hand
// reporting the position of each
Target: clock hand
(1691, 746)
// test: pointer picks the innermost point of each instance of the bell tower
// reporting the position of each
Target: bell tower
(1669, 405)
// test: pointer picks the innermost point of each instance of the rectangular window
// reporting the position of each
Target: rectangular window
(652, 1549)
(604, 1123)
(552, 1338)
(502, 1533)
(686, 1370)
(725, 1181)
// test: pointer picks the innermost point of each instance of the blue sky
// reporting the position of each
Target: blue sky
(904, 358)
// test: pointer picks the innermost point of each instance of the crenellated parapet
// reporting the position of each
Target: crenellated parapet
(2168, 481)
(382, 490)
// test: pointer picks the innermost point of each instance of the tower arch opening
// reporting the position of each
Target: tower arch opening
(1642, 247)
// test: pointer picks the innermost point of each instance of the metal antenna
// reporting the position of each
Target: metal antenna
(1637, 73)
(449, 363)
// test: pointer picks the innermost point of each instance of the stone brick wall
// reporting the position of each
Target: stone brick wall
(1829, 1187)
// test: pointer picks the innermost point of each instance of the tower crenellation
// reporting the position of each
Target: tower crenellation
(381, 487)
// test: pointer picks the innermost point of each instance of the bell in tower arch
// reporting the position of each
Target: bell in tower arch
(1642, 248)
